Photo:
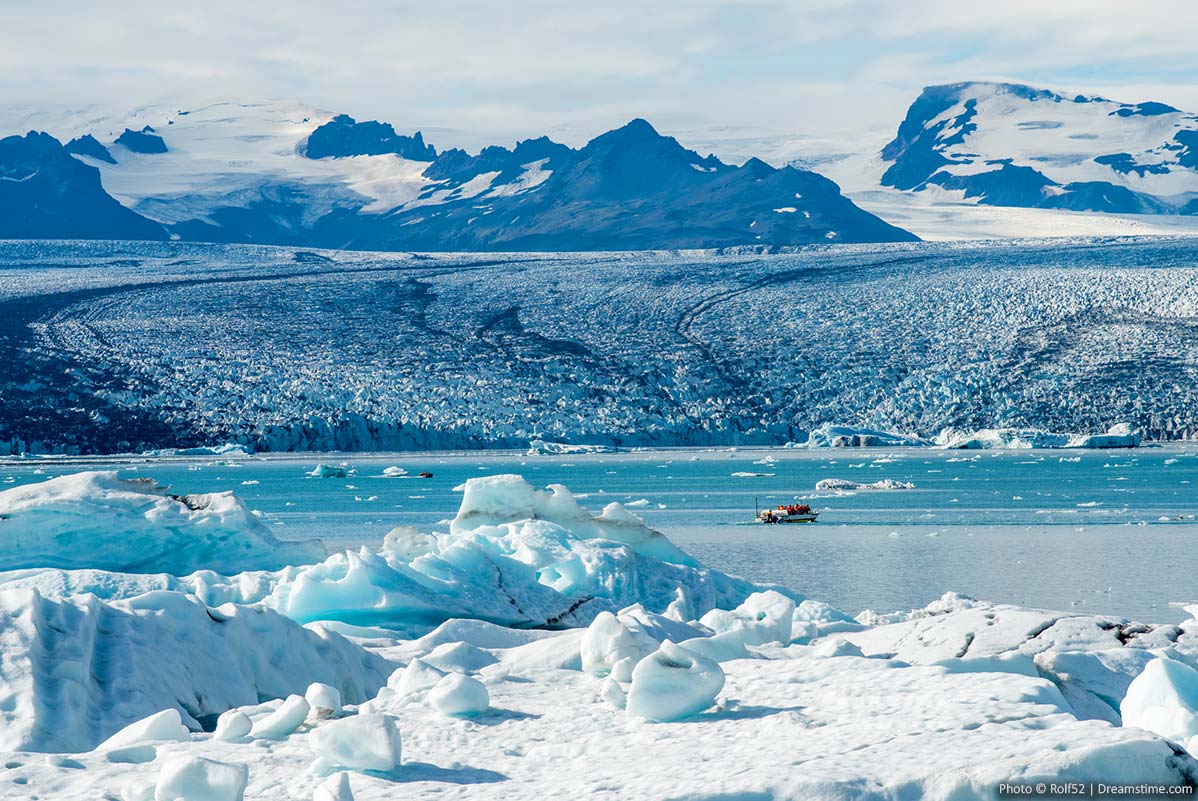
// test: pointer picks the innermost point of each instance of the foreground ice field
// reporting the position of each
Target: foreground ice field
(124, 347)
(597, 660)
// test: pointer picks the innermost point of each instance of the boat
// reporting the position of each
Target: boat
(787, 513)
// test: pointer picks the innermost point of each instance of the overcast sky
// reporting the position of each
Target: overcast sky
(490, 71)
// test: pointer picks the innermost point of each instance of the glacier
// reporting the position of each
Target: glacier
(134, 346)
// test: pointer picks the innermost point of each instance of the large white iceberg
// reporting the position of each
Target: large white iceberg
(98, 520)
(1121, 435)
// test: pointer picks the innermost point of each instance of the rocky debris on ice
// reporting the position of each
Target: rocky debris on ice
(97, 520)
(193, 778)
(839, 436)
(160, 653)
(459, 695)
(845, 484)
(540, 447)
(1121, 435)
(673, 683)
(362, 742)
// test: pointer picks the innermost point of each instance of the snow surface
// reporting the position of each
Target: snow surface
(938, 703)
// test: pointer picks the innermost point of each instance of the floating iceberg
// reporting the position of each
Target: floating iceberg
(1118, 436)
(540, 447)
(328, 471)
(838, 436)
(845, 484)
(97, 520)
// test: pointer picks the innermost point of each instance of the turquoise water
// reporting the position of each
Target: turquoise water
(1104, 531)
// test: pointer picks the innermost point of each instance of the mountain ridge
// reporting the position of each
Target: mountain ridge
(277, 174)
(1007, 144)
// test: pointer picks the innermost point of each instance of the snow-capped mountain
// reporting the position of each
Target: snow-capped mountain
(1013, 145)
(284, 174)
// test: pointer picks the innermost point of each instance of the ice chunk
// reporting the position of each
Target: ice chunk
(834, 647)
(459, 657)
(98, 520)
(612, 692)
(416, 677)
(561, 652)
(334, 788)
(189, 778)
(232, 725)
(673, 683)
(283, 721)
(608, 640)
(722, 647)
(1164, 700)
(164, 726)
(764, 617)
(460, 696)
(324, 701)
(361, 742)
(394, 472)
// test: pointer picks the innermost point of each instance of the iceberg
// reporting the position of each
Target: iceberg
(98, 520)
(1121, 435)
(540, 447)
(845, 484)
(840, 436)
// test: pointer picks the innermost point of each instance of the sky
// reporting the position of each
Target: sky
(747, 76)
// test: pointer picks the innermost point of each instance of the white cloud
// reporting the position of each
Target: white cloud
(752, 68)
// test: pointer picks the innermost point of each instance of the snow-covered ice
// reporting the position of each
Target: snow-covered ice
(670, 695)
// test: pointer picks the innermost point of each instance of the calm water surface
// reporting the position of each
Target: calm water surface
(1103, 531)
